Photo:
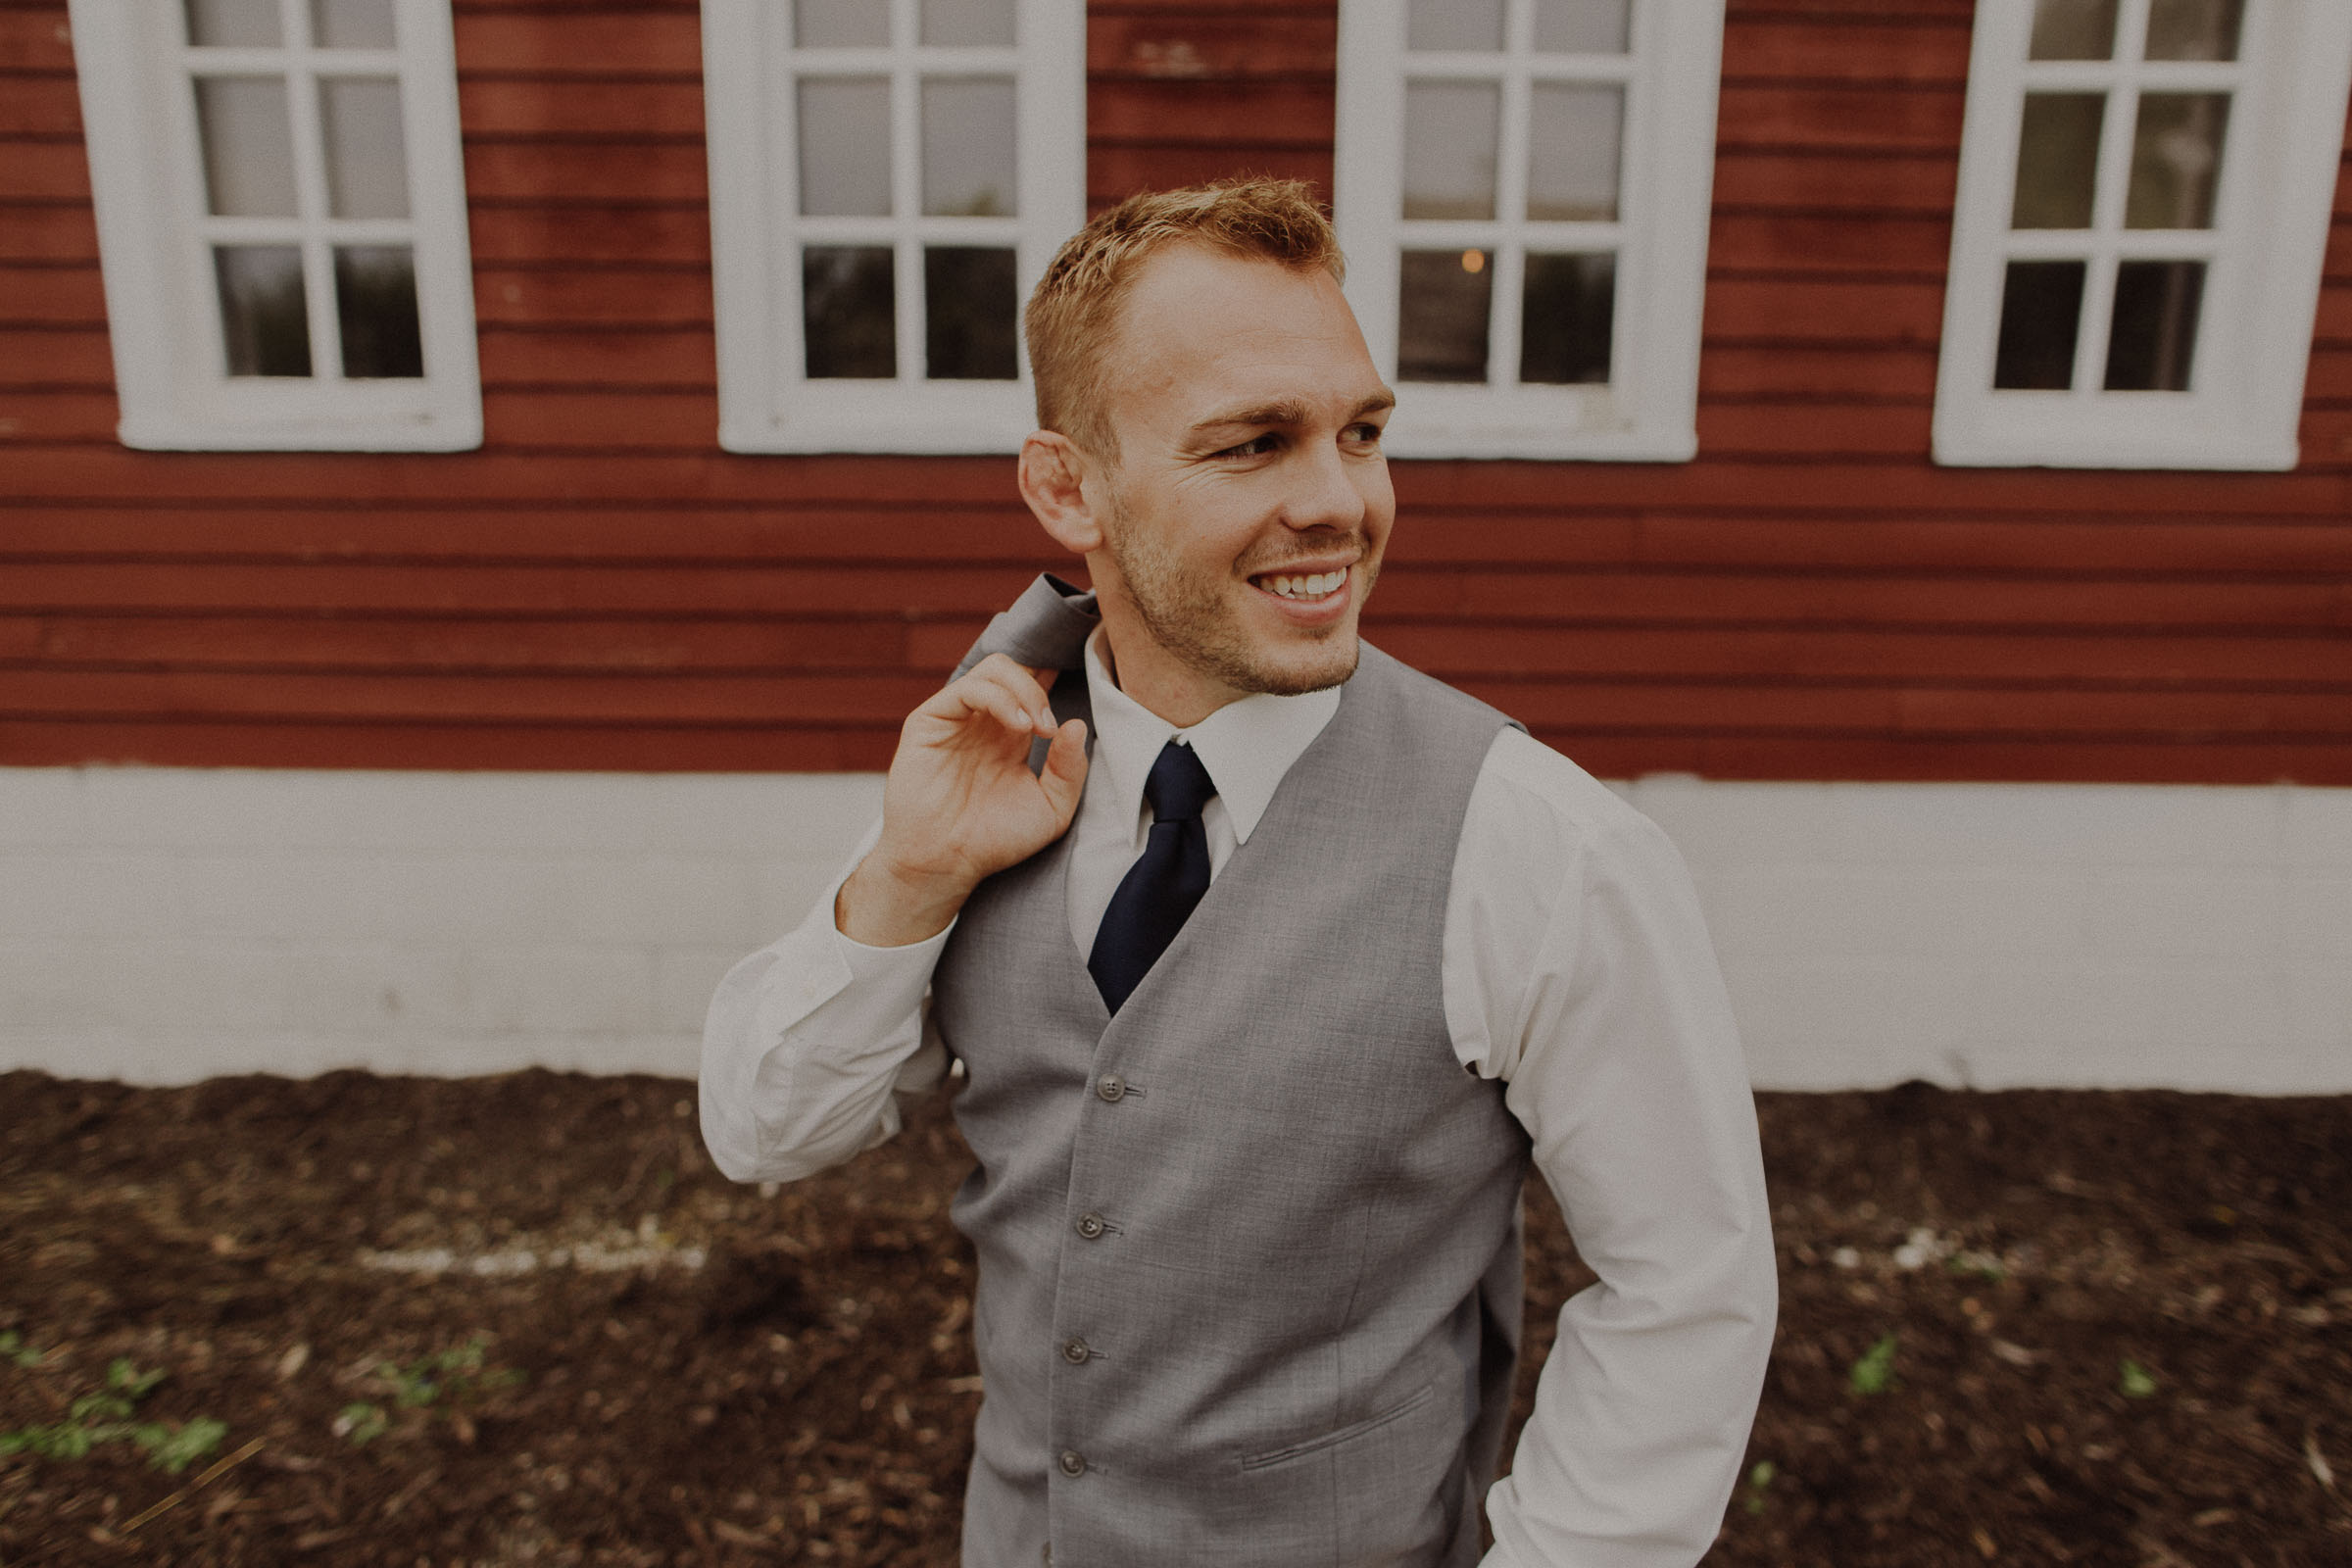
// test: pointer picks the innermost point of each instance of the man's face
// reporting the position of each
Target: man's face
(1245, 515)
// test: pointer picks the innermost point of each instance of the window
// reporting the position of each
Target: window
(1522, 192)
(2145, 191)
(281, 222)
(889, 180)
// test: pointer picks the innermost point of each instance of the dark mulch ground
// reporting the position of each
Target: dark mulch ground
(667, 1369)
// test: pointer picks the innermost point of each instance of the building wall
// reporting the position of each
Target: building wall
(169, 924)
(466, 762)
(600, 588)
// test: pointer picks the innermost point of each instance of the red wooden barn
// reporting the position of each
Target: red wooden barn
(483, 480)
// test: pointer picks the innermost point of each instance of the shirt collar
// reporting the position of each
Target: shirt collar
(1247, 745)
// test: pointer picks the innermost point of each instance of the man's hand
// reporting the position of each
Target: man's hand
(960, 802)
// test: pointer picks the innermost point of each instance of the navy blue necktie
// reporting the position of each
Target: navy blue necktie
(1167, 879)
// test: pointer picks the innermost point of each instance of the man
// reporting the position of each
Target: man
(1267, 961)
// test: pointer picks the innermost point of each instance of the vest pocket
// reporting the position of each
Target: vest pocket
(1340, 1434)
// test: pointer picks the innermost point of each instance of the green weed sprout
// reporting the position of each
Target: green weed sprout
(1874, 1372)
(454, 1376)
(360, 1422)
(1759, 1480)
(106, 1417)
(2135, 1382)
(14, 1349)
(173, 1452)
(451, 1380)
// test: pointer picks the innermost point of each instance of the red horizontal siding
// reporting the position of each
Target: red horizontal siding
(600, 40)
(64, 354)
(585, 172)
(1784, 45)
(599, 587)
(67, 295)
(44, 232)
(47, 106)
(847, 702)
(44, 170)
(1861, 119)
(558, 230)
(1471, 601)
(536, 106)
(796, 531)
(1260, 43)
(713, 642)
(564, 297)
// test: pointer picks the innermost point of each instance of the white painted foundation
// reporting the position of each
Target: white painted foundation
(161, 925)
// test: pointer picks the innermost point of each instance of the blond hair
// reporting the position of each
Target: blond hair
(1074, 313)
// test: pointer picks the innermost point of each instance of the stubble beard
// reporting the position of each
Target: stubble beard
(1188, 615)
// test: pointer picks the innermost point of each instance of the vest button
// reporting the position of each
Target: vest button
(1091, 1225)
(1073, 1463)
(1076, 1351)
(1111, 1086)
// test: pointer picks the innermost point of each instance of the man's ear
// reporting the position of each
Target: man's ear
(1053, 480)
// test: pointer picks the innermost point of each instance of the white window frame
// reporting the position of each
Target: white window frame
(766, 402)
(1647, 412)
(155, 236)
(2279, 157)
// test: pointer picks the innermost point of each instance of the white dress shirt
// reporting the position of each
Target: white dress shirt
(1575, 969)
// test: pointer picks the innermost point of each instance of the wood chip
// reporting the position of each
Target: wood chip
(736, 1536)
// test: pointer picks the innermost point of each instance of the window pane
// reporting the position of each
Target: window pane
(264, 322)
(248, 145)
(969, 314)
(1572, 153)
(1567, 317)
(840, 23)
(233, 24)
(375, 301)
(2175, 160)
(1454, 24)
(1442, 315)
(1450, 136)
(845, 146)
(2058, 160)
(367, 169)
(2194, 30)
(352, 24)
(848, 317)
(2041, 308)
(2155, 332)
(968, 130)
(2073, 29)
(1580, 27)
(967, 23)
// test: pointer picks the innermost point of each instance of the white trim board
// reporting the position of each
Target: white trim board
(766, 401)
(1648, 409)
(2263, 252)
(155, 237)
(162, 925)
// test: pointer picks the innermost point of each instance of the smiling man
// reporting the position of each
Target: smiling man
(1268, 962)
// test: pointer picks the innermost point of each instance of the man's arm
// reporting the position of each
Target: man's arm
(1596, 993)
(806, 1038)
(804, 1043)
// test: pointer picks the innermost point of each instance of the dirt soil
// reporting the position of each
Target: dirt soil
(520, 1319)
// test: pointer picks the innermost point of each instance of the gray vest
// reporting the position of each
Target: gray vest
(1249, 1253)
